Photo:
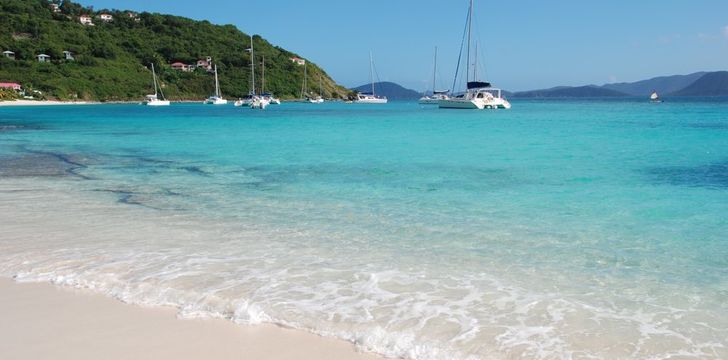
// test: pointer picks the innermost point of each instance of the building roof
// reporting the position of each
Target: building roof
(9, 85)
(43, 55)
(178, 64)
(8, 52)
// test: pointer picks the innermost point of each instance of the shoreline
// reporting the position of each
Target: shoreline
(46, 321)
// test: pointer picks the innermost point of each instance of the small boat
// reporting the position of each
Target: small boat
(217, 98)
(370, 98)
(154, 100)
(478, 94)
(436, 95)
(655, 98)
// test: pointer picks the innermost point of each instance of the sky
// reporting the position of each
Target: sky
(523, 44)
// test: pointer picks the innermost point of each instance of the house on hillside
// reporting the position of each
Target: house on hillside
(86, 20)
(298, 61)
(179, 66)
(68, 55)
(43, 58)
(55, 8)
(133, 15)
(205, 63)
(9, 54)
(11, 86)
(106, 17)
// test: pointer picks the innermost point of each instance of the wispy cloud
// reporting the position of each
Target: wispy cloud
(725, 31)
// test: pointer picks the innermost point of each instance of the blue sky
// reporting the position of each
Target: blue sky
(525, 44)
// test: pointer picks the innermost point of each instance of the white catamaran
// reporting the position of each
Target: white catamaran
(252, 100)
(478, 94)
(154, 100)
(217, 98)
(436, 95)
(370, 98)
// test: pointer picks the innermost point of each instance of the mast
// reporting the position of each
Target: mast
(475, 65)
(262, 86)
(470, 25)
(217, 83)
(303, 85)
(434, 73)
(252, 67)
(371, 71)
(154, 80)
(321, 86)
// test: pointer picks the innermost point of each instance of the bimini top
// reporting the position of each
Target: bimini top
(478, 84)
(440, 92)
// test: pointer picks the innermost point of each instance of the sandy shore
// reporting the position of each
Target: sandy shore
(43, 321)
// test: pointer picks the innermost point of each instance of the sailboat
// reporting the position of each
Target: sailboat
(655, 98)
(436, 95)
(267, 95)
(217, 98)
(478, 94)
(318, 99)
(154, 100)
(370, 98)
(252, 100)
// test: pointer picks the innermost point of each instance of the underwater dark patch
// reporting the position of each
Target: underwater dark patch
(714, 175)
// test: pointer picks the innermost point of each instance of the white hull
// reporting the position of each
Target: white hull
(316, 101)
(370, 101)
(259, 104)
(216, 101)
(428, 101)
(480, 104)
(157, 103)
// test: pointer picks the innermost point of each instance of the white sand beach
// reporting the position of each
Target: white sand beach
(43, 321)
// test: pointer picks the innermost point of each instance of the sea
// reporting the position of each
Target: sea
(561, 229)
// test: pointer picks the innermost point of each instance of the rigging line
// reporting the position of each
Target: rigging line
(460, 55)
(481, 52)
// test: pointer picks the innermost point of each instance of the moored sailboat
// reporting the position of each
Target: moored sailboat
(217, 98)
(478, 94)
(154, 100)
(436, 95)
(252, 100)
(370, 98)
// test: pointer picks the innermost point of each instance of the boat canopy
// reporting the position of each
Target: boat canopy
(441, 92)
(478, 84)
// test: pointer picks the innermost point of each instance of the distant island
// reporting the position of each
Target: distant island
(391, 90)
(66, 51)
(695, 84)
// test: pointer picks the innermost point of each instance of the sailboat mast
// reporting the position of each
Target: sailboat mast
(303, 85)
(262, 86)
(371, 71)
(470, 25)
(217, 83)
(252, 67)
(321, 86)
(434, 73)
(475, 65)
(154, 80)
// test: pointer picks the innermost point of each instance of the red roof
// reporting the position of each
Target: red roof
(10, 85)
(179, 64)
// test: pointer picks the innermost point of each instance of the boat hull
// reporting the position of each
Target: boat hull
(478, 104)
(216, 101)
(370, 101)
(157, 103)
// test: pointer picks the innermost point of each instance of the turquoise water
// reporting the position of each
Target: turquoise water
(561, 229)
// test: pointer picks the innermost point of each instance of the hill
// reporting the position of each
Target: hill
(662, 84)
(710, 84)
(112, 57)
(391, 90)
(570, 92)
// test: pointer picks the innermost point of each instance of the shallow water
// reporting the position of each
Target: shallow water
(562, 229)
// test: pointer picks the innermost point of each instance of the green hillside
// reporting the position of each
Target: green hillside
(112, 58)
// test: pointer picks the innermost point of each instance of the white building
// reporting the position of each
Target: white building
(9, 54)
(298, 61)
(68, 55)
(55, 8)
(106, 17)
(43, 58)
(86, 20)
